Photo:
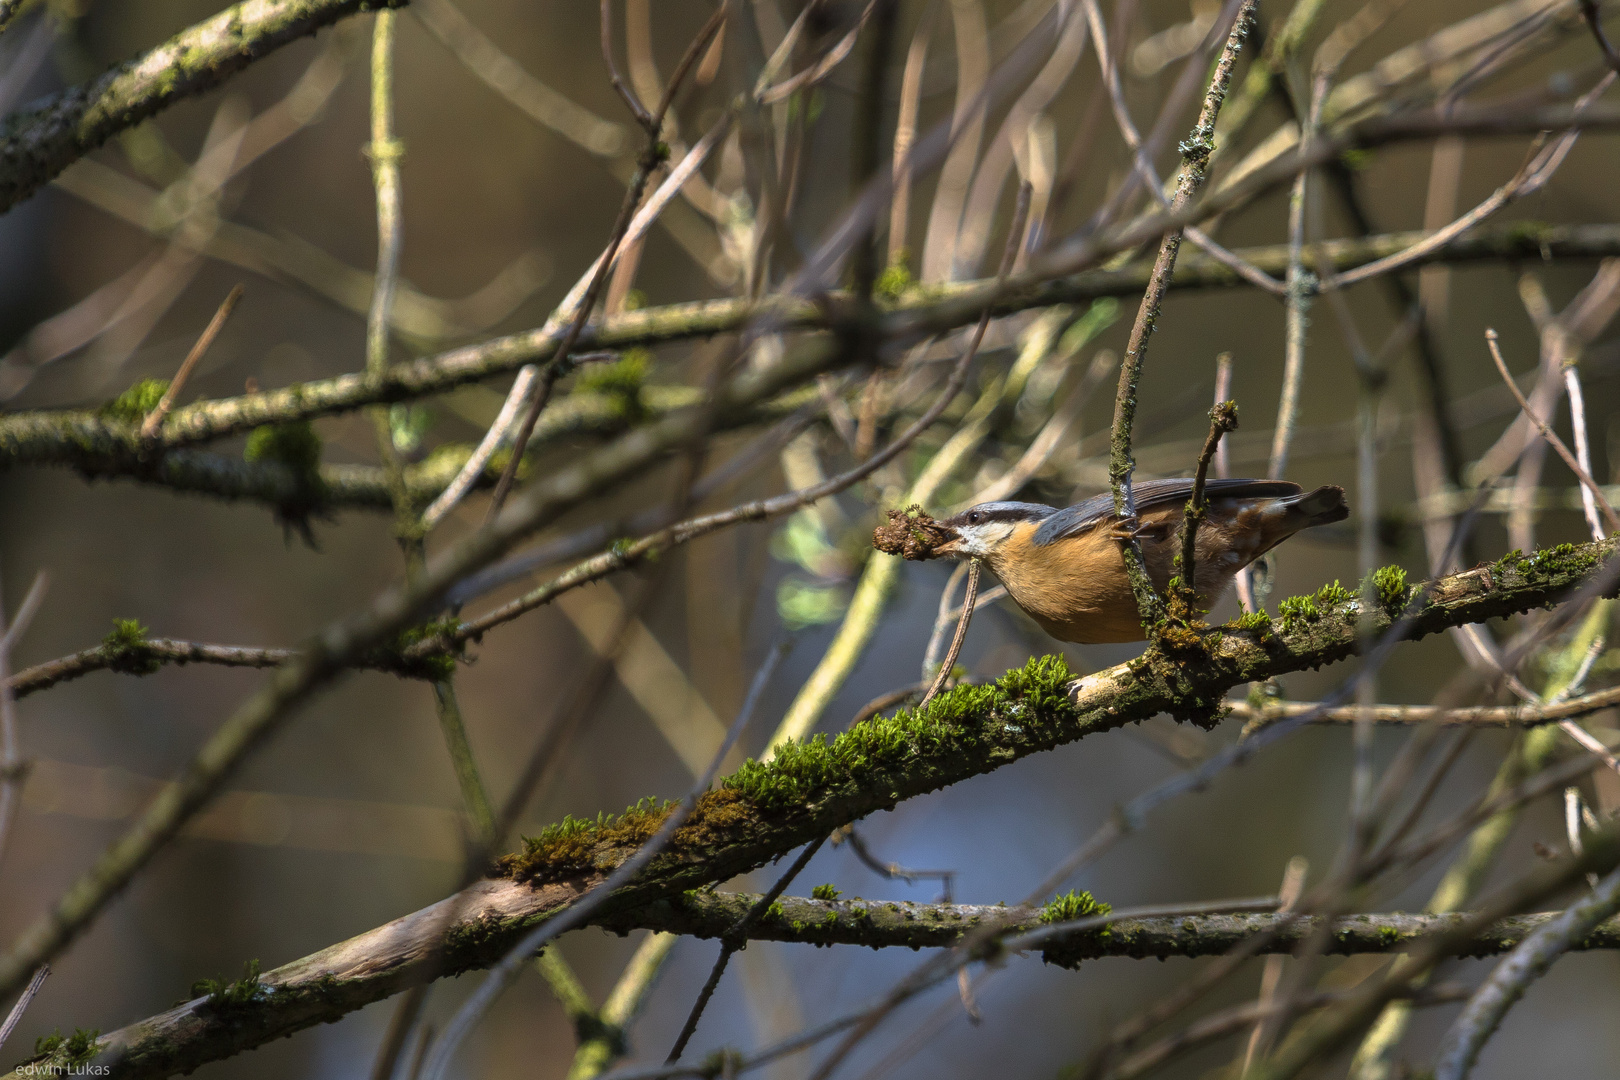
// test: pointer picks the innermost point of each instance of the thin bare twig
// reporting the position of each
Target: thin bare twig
(955, 650)
(1143, 165)
(628, 95)
(1538, 168)
(22, 1004)
(1229, 1021)
(1302, 288)
(1594, 19)
(1552, 438)
(154, 419)
(1293, 884)
(13, 769)
(905, 134)
(735, 939)
(1583, 446)
(523, 386)
(893, 870)
(1222, 419)
(1526, 715)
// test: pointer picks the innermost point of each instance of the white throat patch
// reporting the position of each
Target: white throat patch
(983, 540)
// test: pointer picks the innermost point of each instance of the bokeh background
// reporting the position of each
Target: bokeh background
(350, 816)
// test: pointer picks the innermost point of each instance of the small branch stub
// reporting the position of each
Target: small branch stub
(1183, 597)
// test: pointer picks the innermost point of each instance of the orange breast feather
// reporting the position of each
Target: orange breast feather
(1076, 588)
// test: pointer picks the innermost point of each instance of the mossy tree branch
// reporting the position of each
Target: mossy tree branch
(39, 143)
(879, 924)
(104, 444)
(811, 788)
(296, 493)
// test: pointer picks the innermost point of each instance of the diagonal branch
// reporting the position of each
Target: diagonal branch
(806, 791)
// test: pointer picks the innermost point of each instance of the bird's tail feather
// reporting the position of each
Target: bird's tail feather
(1323, 506)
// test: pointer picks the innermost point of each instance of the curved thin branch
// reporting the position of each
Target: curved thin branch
(143, 659)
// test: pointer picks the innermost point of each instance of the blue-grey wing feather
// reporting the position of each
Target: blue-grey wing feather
(1149, 494)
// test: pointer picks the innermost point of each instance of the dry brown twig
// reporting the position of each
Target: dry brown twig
(1551, 436)
(154, 419)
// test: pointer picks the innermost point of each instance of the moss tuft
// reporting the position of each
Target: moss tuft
(433, 666)
(576, 844)
(133, 404)
(1333, 594)
(1388, 586)
(1256, 622)
(127, 649)
(1071, 905)
(825, 892)
(60, 1053)
(882, 744)
(1296, 611)
(723, 1062)
(294, 444)
(229, 996)
(895, 280)
(620, 382)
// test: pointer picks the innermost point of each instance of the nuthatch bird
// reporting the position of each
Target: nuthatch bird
(1065, 567)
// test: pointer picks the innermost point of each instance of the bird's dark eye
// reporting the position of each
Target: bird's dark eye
(975, 518)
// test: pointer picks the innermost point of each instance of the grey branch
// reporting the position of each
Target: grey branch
(1557, 934)
(336, 980)
(1521, 715)
(889, 924)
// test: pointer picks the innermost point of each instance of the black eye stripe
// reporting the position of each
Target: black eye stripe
(994, 513)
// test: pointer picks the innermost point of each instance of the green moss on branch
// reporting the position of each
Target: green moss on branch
(106, 444)
(881, 924)
(766, 810)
